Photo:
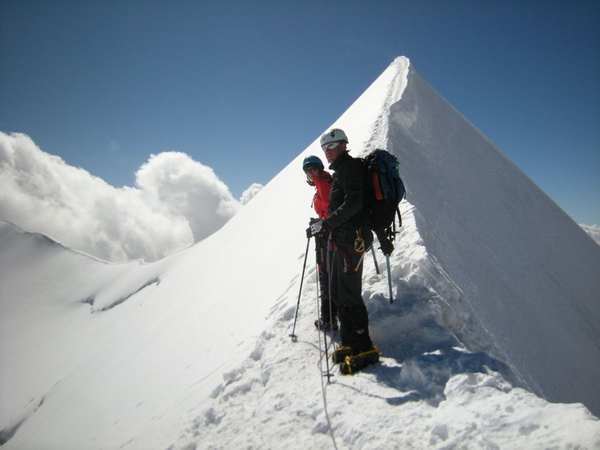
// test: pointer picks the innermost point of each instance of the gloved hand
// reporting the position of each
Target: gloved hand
(316, 227)
(386, 246)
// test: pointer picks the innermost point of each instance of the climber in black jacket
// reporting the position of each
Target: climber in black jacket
(347, 226)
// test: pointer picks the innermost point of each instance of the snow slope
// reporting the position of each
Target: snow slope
(192, 351)
(53, 325)
(129, 365)
(528, 272)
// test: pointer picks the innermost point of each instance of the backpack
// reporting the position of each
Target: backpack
(384, 191)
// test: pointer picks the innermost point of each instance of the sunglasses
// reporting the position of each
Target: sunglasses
(330, 146)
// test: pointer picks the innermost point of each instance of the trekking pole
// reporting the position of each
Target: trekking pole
(329, 257)
(293, 336)
(375, 261)
(387, 259)
(329, 263)
(327, 373)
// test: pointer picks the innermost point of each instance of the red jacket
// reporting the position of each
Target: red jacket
(321, 198)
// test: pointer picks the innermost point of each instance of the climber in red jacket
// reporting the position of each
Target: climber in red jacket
(317, 176)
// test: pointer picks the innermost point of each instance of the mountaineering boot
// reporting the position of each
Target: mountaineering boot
(339, 354)
(324, 325)
(354, 363)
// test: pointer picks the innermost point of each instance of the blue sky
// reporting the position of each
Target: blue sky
(244, 87)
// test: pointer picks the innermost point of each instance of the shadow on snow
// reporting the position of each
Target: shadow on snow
(426, 353)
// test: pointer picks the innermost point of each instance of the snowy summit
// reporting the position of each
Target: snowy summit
(491, 342)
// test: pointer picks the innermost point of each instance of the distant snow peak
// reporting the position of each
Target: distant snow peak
(176, 201)
(250, 193)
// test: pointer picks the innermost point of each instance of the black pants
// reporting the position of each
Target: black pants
(323, 259)
(346, 274)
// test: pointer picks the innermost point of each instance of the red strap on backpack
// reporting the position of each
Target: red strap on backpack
(376, 186)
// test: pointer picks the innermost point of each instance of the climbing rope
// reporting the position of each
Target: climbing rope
(323, 385)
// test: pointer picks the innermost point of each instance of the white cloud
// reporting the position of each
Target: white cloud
(593, 231)
(249, 193)
(189, 189)
(175, 202)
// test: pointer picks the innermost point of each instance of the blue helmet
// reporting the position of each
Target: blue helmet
(312, 161)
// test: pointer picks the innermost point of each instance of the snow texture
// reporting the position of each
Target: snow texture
(491, 341)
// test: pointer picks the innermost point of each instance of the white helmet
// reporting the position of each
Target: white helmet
(333, 135)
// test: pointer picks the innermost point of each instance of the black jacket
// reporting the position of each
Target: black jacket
(347, 201)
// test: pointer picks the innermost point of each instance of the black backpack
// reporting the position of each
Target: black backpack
(384, 191)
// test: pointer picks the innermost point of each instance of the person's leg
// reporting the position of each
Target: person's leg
(351, 308)
(327, 309)
(321, 245)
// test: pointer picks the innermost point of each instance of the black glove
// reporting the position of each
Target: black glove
(386, 246)
(316, 227)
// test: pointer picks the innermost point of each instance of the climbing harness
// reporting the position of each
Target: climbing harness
(359, 242)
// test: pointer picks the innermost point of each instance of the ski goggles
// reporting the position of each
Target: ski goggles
(330, 146)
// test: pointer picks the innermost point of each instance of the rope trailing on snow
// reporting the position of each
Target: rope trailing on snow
(323, 385)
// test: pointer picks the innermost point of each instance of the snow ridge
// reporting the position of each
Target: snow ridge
(526, 271)
(593, 231)
(9, 431)
(439, 357)
(9, 227)
(408, 401)
(377, 137)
